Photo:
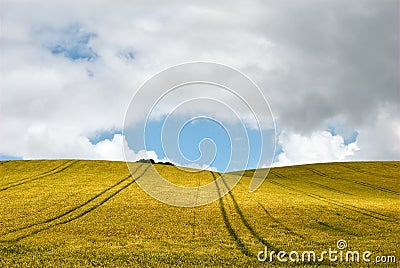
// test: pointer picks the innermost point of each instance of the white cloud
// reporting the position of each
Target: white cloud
(380, 140)
(317, 148)
(202, 167)
(42, 143)
(314, 60)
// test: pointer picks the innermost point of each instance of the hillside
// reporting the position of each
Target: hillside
(92, 213)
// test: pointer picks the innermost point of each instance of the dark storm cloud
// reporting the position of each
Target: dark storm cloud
(340, 59)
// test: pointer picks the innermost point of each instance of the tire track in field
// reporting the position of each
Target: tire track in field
(335, 212)
(253, 232)
(39, 210)
(280, 224)
(335, 229)
(378, 227)
(195, 209)
(314, 183)
(363, 211)
(327, 187)
(51, 172)
(239, 243)
(347, 217)
(332, 227)
(319, 173)
(87, 207)
(40, 174)
(357, 221)
(375, 187)
(108, 197)
(278, 175)
(366, 172)
(392, 165)
(365, 184)
(74, 208)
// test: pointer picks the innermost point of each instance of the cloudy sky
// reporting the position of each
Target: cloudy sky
(329, 69)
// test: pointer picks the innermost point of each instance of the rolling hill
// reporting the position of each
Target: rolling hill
(92, 213)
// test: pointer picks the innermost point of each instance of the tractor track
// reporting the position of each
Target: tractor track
(74, 208)
(39, 210)
(335, 229)
(280, 224)
(392, 165)
(278, 175)
(375, 187)
(40, 174)
(249, 227)
(319, 173)
(48, 173)
(365, 184)
(193, 224)
(314, 183)
(240, 244)
(88, 206)
(334, 212)
(238, 241)
(368, 172)
(324, 175)
(363, 211)
(326, 187)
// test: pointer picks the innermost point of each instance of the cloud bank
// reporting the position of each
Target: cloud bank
(328, 69)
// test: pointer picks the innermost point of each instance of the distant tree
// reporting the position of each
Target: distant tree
(166, 163)
(151, 161)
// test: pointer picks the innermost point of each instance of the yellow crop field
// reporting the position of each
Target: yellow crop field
(64, 213)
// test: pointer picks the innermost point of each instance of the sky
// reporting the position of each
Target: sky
(328, 69)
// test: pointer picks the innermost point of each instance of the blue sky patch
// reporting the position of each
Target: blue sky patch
(348, 135)
(104, 135)
(9, 157)
(352, 138)
(198, 136)
(73, 43)
(128, 54)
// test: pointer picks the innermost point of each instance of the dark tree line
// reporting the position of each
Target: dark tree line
(151, 161)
